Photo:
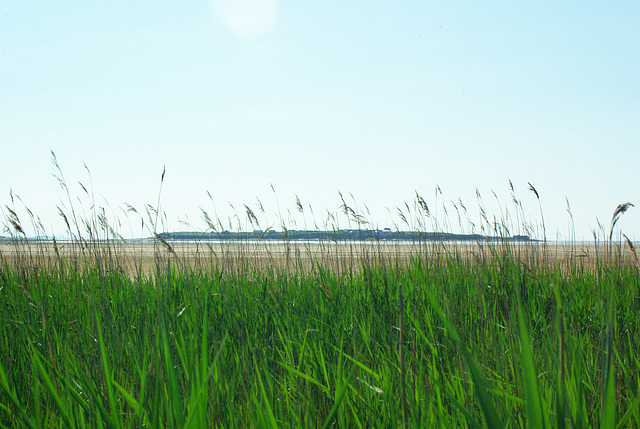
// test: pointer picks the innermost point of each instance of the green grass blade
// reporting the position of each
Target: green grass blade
(361, 365)
(488, 409)
(608, 418)
(534, 407)
(133, 402)
(271, 417)
(4, 384)
(104, 354)
(340, 395)
(454, 401)
(307, 377)
(176, 404)
(52, 390)
(634, 408)
(103, 413)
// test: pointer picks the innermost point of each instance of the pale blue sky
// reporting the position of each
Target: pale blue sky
(377, 99)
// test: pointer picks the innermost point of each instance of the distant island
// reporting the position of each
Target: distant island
(336, 235)
(342, 235)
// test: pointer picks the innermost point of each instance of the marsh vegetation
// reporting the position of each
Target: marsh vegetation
(432, 334)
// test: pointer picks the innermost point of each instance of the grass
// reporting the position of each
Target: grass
(504, 336)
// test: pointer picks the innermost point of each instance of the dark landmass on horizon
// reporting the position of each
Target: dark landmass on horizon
(342, 235)
(336, 235)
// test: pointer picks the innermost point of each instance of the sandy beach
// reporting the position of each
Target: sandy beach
(145, 256)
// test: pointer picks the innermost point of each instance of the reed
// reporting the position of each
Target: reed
(486, 334)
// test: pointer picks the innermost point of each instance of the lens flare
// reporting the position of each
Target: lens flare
(249, 19)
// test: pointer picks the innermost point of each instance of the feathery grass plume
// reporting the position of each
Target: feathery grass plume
(402, 216)
(423, 204)
(164, 242)
(251, 216)
(618, 212)
(207, 219)
(59, 176)
(130, 208)
(572, 230)
(632, 248)
(150, 211)
(408, 210)
(15, 221)
(298, 204)
(215, 213)
(535, 192)
(344, 207)
(63, 215)
(157, 209)
(275, 195)
(457, 209)
(518, 208)
(483, 213)
(36, 224)
(260, 206)
(533, 189)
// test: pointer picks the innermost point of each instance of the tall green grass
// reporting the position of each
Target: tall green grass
(506, 337)
(481, 344)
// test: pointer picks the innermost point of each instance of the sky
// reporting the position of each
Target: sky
(260, 102)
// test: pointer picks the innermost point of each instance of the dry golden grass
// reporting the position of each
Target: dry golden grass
(137, 257)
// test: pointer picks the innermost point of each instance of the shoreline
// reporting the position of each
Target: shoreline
(147, 257)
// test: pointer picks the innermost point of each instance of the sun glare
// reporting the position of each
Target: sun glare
(249, 19)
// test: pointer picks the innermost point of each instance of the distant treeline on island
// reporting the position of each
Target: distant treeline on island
(337, 235)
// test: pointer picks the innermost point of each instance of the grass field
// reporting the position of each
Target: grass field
(440, 335)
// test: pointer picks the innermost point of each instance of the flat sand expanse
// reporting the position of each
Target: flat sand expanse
(145, 257)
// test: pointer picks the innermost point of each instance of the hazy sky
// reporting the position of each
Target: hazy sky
(375, 99)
